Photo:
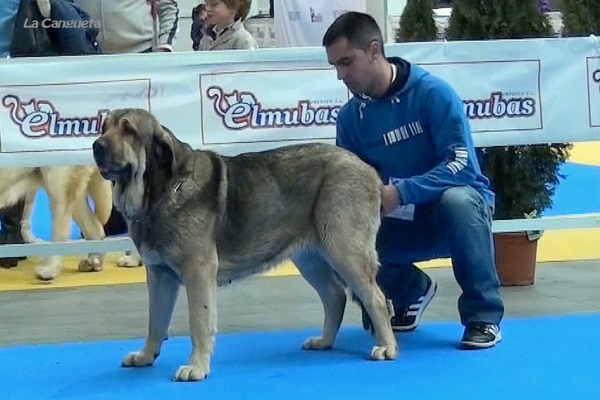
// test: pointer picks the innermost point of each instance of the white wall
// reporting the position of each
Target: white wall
(376, 8)
(395, 7)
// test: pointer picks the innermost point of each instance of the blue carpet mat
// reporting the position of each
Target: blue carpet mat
(540, 358)
(579, 192)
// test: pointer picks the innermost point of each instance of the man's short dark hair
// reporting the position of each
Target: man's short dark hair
(359, 28)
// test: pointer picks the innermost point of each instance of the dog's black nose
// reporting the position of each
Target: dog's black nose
(99, 149)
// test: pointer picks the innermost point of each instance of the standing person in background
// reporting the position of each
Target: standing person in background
(134, 26)
(8, 14)
(10, 217)
(198, 25)
(545, 6)
(225, 31)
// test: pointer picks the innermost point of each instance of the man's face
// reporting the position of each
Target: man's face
(354, 66)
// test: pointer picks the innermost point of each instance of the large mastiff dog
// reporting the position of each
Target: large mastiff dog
(203, 220)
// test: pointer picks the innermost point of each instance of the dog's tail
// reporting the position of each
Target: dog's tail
(100, 190)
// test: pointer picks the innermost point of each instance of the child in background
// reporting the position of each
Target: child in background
(198, 25)
(225, 29)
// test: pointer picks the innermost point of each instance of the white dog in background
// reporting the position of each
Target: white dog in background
(68, 189)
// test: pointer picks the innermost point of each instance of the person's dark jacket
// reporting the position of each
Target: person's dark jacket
(68, 31)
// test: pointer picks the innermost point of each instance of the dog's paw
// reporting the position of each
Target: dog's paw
(138, 359)
(129, 261)
(316, 343)
(189, 373)
(47, 271)
(90, 264)
(384, 353)
(29, 238)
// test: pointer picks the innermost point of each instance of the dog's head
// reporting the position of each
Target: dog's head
(140, 157)
(130, 140)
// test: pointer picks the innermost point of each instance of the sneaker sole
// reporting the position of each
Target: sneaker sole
(426, 300)
(466, 345)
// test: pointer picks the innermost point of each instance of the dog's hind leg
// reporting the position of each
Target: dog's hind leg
(331, 290)
(358, 268)
(92, 229)
(26, 232)
(61, 196)
(347, 227)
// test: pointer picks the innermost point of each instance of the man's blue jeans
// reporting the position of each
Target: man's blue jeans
(458, 226)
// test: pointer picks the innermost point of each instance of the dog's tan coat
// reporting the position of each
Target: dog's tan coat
(203, 220)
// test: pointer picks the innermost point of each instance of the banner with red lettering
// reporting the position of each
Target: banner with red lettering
(513, 92)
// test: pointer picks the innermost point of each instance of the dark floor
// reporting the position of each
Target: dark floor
(260, 303)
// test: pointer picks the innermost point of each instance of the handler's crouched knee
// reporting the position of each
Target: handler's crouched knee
(463, 203)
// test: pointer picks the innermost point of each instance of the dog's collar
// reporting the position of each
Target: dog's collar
(174, 189)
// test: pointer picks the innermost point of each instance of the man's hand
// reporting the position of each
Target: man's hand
(45, 8)
(390, 199)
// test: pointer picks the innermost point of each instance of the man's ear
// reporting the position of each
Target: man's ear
(374, 50)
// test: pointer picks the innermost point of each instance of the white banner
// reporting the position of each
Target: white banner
(36, 113)
(500, 96)
(513, 91)
(304, 22)
(257, 113)
(593, 69)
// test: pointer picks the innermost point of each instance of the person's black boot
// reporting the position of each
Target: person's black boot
(10, 219)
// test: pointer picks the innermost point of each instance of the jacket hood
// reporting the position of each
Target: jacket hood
(408, 76)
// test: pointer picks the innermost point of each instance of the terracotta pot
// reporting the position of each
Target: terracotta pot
(515, 258)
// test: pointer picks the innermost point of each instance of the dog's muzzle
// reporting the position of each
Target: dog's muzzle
(104, 160)
(100, 150)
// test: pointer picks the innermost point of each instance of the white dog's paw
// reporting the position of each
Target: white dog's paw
(129, 261)
(29, 238)
(138, 359)
(91, 264)
(188, 373)
(384, 352)
(46, 272)
(316, 343)
(48, 269)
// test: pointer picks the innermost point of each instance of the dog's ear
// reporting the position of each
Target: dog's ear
(164, 149)
(129, 124)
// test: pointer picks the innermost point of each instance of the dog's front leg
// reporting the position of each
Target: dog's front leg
(201, 286)
(163, 286)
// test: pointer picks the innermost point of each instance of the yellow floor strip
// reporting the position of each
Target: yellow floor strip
(560, 245)
(586, 153)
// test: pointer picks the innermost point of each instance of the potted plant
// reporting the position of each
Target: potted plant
(523, 177)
